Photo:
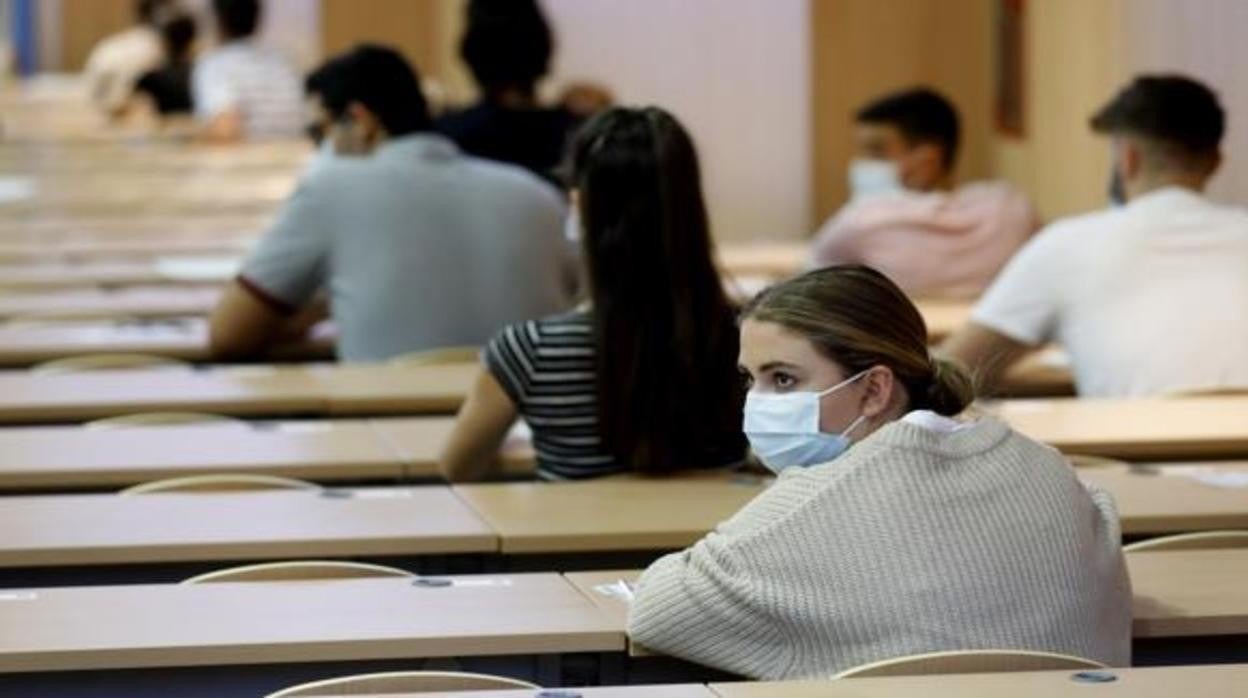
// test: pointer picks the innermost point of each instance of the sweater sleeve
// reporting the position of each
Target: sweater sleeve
(698, 605)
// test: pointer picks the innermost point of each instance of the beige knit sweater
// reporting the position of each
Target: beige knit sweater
(913, 541)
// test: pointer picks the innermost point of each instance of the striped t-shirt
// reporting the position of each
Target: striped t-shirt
(547, 367)
(255, 79)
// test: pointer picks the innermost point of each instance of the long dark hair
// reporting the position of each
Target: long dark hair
(668, 391)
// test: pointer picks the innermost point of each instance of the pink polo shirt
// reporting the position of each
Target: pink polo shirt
(947, 243)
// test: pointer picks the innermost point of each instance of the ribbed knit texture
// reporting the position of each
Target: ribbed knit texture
(913, 541)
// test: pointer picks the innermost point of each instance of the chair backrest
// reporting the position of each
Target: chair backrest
(105, 362)
(159, 419)
(220, 483)
(297, 571)
(439, 357)
(1082, 461)
(1206, 540)
(970, 662)
(1229, 391)
(402, 682)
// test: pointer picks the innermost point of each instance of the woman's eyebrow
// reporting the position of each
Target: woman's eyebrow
(773, 365)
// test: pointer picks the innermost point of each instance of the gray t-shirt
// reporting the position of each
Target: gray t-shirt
(419, 246)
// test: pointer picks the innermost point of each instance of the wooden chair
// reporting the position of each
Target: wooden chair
(297, 571)
(439, 357)
(969, 662)
(1210, 392)
(219, 483)
(402, 682)
(105, 362)
(159, 419)
(1207, 540)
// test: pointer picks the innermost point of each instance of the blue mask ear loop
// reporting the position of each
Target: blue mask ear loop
(862, 417)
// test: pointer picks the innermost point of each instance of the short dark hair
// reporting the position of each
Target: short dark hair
(148, 11)
(377, 77)
(1174, 111)
(177, 32)
(922, 115)
(237, 19)
(507, 43)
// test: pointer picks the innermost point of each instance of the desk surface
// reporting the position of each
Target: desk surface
(105, 529)
(1176, 498)
(672, 691)
(1146, 429)
(1214, 681)
(612, 514)
(183, 270)
(418, 441)
(70, 457)
(131, 301)
(1177, 594)
(273, 622)
(184, 338)
(77, 250)
(345, 390)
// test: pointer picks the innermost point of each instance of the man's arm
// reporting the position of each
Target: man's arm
(986, 353)
(243, 325)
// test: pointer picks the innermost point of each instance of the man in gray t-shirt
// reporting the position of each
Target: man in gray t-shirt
(417, 245)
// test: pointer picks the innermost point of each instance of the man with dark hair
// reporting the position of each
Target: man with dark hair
(508, 46)
(243, 89)
(419, 246)
(906, 218)
(1150, 296)
(117, 62)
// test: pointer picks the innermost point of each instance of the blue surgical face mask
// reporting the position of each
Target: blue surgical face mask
(872, 177)
(783, 428)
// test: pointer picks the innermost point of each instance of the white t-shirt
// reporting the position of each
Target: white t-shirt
(1147, 299)
(117, 63)
(257, 80)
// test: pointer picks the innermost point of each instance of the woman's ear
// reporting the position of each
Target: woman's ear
(879, 385)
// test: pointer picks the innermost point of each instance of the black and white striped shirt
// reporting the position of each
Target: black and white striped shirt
(547, 367)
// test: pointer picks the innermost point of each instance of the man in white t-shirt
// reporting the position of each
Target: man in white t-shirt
(118, 61)
(1149, 297)
(244, 90)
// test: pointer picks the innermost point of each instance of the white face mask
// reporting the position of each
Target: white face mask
(872, 177)
(783, 428)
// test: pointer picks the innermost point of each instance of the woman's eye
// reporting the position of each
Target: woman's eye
(784, 381)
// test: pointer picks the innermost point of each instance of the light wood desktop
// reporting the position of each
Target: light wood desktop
(607, 515)
(70, 629)
(187, 272)
(1145, 429)
(94, 251)
(1176, 498)
(71, 457)
(109, 529)
(178, 338)
(668, 691)
(1198, 593)
(256, 390)
(418, 441)
(1223, 681)
(131, 301)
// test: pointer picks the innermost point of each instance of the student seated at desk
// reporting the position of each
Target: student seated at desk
(244, 90)
(906, 219)
(645, 378)
(118, 61)
(1148, 297)
(893, 528)
(418, 246)
(169, 87)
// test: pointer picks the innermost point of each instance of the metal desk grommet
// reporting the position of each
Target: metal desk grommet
(1094, 677)
(337, 494)
(558, 694)
(431, 582)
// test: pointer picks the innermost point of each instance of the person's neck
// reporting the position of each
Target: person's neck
(514, 97)
(1164, 180)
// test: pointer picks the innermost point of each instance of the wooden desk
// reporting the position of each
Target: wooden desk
(258, 390)
(177, 338)
(1177, 594)
(267, 390)
(189, 270)
(73, 457)
(669, 691)
(87, 251)
(276, 623)
(1168, 499)
(1146, 429)
(1223, 681)
(136, 301)
(418, 441)
(607, 515)
(109, 529)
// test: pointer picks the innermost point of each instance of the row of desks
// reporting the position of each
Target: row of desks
(1178, 595)
(602, 517)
